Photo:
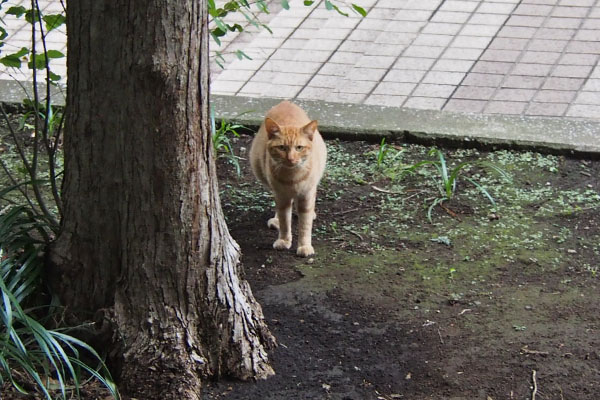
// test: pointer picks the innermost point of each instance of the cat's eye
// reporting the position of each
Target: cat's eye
(282, 148)
(299, 148)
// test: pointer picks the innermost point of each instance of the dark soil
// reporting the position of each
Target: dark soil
(388, 309)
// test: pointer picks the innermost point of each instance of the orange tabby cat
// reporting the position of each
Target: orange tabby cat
(288, 155)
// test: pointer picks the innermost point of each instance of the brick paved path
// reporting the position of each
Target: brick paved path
(528, 57)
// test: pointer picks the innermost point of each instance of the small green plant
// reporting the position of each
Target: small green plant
(448, 177)
(31, 353)
(222, 141)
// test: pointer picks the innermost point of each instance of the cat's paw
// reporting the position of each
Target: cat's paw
(305, 251)
(273, 223)
(281, 244)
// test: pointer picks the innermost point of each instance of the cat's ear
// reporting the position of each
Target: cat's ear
(272, 128)
(310, 129)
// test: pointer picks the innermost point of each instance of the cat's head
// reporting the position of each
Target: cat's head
(290, 146)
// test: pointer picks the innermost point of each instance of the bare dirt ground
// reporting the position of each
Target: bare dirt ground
(483, 302)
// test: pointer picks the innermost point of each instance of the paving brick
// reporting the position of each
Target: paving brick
(406, 75)
(432, 40)
(557, 22)
(226, 87)
(323, 44)
(235, 75)
(263, 76)
(540, 57)
(531, 69)
(294, 43)
(423, 51)
(444, 77)
(572, 71)
(345, 57)
(314, 93)
(332, 33)
(403, 26)
(492, 67)
(521, 20)
(479, 79)
(592, 85)
(479, 30)
(394, 88)
(555, 33)
(453, 65)
(354, 46)
(458, 5)
(578, 59)
(391, 3)
(325, 81)
(364, 35)
(588, 34)
(354, 86)
(252, 88)
(583, 110)
(279, 91)
(514, 94)
(312, 55)
(457, 53)
(376, 61)
(412, 15)
(471, 42)
(442, 28)
(385, 50)
(418, 63)
(505, 107)
(500, 55)
(588, 98)
(474, 92)
(533, 9)
(288, 78)
(508, 44)
(570, 12)
(546, 109)
(488, 19)
(465, 105)
(583, 47)
(346, 97)
(547, 45)
(591, 24)
(555, 96)
(577, 3)
(422, 5)
(386, 100)
(335, 69)
(393, 38)
(495, 8)
(425, 103)
(523, 82)
(434, 90)
(596, 72)
(451, 16)
(563, 83)
(366, 74)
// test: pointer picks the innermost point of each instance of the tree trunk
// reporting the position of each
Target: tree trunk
(143, 235)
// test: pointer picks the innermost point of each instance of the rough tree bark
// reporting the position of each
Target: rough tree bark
(143, 235)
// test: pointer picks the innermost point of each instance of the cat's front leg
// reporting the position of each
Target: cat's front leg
(283, 213)
(306, 215)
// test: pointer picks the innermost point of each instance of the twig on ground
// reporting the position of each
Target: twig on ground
(440, 335)
(526, 350)
(348, 211)
(384, 190)
(450, 212)
(535, 387)
(354, 233)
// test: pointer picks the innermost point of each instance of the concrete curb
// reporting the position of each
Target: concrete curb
(354, 121)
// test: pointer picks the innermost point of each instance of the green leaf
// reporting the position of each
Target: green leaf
(54, 54)
(17, 11)
(308, 2)
(328, 5)
(53, 21)
(14, 60)
(359, 10)
(240, 55)
(285, 4)
(32, 16)
(3, 34)
(54, 77)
